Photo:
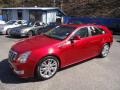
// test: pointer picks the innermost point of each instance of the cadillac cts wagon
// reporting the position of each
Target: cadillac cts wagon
(42, 56)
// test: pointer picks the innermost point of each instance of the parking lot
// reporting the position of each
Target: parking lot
(95, 74)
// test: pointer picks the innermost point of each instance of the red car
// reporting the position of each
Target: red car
(62, 46)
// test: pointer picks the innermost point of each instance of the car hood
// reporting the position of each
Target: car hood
(36, 42)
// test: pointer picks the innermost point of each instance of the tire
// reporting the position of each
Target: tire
(7, 32)
(30, 34)
(47, 68)
(105, 50)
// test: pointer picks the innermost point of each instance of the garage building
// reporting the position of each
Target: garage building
(43, 14)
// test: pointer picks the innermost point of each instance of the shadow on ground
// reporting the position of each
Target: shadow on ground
(7, 76)
(118, 41)
(15, 37)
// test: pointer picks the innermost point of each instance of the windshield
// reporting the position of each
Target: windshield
(10, 22)
(60, 32)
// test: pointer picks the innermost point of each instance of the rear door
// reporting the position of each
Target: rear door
(83, 47)
(96, 38)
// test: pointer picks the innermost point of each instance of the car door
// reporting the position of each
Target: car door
(83, 47)
(96, 39)
(77, 50)
(36, 27)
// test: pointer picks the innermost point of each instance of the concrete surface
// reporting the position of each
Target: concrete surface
(95, 74)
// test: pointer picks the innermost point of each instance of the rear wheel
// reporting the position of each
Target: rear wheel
(105, 50)
(47, 68)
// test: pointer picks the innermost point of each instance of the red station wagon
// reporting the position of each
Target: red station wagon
(41, 56)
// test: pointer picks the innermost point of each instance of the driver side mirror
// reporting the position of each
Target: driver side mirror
(76, 37)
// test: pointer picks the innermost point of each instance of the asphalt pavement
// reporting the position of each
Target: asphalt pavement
(94, 74)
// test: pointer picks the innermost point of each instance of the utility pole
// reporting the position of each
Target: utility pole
(61, 4)
(22, 3)
(54, 3)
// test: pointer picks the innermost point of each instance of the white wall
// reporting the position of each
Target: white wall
(51, 16)
(44, 17)
(14, 15)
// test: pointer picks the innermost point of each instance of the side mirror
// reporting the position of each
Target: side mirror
(76, 37)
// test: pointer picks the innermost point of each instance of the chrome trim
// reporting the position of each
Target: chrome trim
(12, 55)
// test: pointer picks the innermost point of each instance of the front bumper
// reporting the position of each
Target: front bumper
(22, 70)
(17, 34)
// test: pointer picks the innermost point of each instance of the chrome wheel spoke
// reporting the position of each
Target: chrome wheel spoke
(105, 50)
(48, 68)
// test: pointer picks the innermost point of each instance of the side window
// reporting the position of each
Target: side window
(96, 31)
(37, 24)
(83, 32)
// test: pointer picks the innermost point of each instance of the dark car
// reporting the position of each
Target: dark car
(47, 28)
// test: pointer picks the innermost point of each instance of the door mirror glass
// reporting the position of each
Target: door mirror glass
(76, 37)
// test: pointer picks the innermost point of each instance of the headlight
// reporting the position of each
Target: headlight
(23, 57)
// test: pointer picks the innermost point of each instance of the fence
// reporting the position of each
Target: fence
(112, 23)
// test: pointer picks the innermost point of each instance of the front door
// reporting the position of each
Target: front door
(79, 49)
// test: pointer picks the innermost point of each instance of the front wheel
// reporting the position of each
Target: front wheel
(105, 50)
(47, 68)
(30, 34)
(8, 31)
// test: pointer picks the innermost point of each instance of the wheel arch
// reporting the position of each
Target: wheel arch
(40, 60)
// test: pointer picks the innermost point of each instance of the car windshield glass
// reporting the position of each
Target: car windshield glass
(10, 22)
(60, 32)
(30, 24)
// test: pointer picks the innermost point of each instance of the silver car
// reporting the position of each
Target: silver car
(28, 30)
(4, 29)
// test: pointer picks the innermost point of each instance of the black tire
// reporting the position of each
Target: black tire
(30, 34)
(40, 73)
(105, 50)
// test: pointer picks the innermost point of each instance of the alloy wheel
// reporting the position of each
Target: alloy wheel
(48, 68)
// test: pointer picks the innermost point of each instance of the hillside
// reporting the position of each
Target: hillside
(80, 8)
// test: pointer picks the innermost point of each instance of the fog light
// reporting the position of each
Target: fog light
(19, 72)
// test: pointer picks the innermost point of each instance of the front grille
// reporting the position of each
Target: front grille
(12, 55)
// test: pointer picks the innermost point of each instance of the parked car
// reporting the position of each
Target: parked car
(4, 29)
(28, 30)
(45, 54)
(47, 27)
(2, 22)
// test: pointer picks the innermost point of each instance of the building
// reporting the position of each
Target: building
(43, 14)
